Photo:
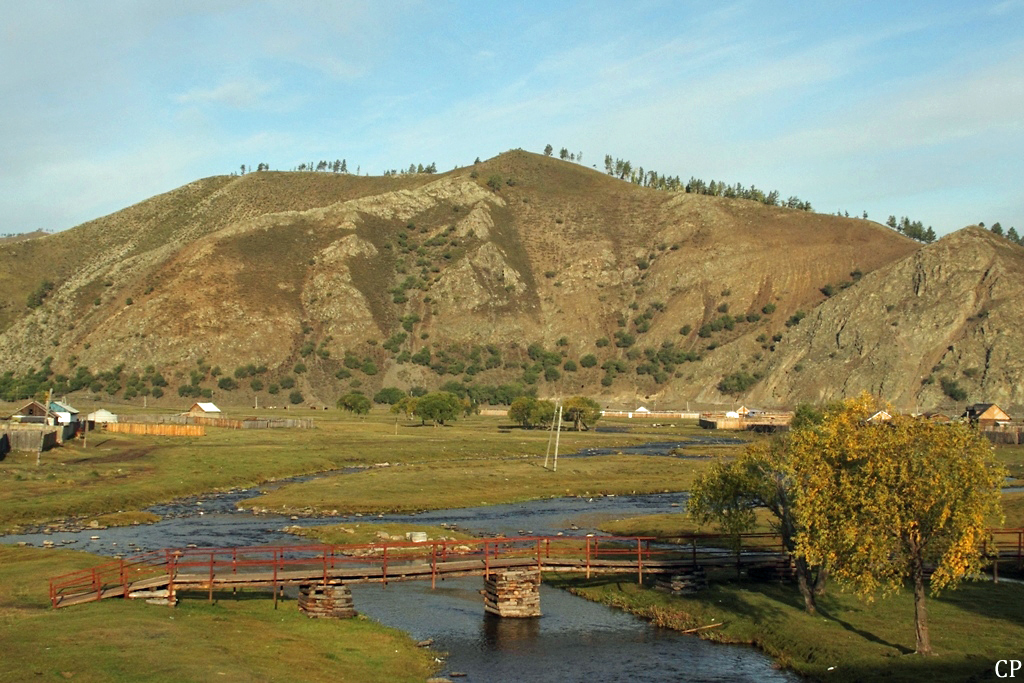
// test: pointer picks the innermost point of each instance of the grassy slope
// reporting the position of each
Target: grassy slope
(231, 640)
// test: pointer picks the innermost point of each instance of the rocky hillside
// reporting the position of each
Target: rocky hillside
(521, 270)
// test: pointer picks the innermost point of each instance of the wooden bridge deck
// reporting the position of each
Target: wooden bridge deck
(211, 569)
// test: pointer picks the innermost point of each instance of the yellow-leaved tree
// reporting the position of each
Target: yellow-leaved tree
(881, 501)
(730, 492)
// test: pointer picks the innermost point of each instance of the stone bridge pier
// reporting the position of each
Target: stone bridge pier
(513, 593)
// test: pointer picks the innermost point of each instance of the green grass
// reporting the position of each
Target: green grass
(465, 483)
(234, 639)
(971, 628)
(125, 472)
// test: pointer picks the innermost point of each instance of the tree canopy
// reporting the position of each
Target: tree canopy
(879, 502)
(529, 412)
(354, 402)
(438, 407)
(581, 411)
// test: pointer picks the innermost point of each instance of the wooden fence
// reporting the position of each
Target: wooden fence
(155, 429)
(1005, 434)
(227, 423)
(29, 439)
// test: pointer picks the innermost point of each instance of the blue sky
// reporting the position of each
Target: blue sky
(905, 108)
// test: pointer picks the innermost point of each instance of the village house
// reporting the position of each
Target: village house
(33, 412)
(65, 414)
(201, 409)
(987, 415)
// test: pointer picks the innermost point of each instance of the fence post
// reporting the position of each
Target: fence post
(588, 556)
(124, 584)
(639, 562)
(384, 568)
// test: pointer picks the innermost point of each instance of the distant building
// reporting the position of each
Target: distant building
(880, 416)
(102, 416)
(204, 410)
(65, 414)
(986, 415)
(34, 412)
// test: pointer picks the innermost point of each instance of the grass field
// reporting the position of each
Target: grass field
(465, 483)
(123, 472)
(234, 639)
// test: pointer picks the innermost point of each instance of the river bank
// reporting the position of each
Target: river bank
(849, 640)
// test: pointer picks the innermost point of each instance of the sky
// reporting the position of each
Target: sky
(894, 108)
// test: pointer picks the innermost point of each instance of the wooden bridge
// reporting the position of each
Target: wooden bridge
(163, 574)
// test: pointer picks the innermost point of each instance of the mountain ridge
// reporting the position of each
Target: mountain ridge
(279, 269)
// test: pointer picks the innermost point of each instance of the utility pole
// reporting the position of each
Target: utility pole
(42, 433)
(558, 435)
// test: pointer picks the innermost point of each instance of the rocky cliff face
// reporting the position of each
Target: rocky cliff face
(335, 272)
(950, 310)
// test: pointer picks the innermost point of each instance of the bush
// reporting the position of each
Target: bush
(685, 330)
(369, 368)
(227, 384)
(737, 382)
(952, 389)
(588, 361)
(157, 392)
(256, 385)
(796, 318)
(768, 309)
(273, 389)
(299, 368)
(570, 366)
(355, 402)
(389, 396)
(287, 382)
(601, 343)
(296, 397)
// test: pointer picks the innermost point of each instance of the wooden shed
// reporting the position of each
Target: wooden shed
(986, 415)
(201, 409)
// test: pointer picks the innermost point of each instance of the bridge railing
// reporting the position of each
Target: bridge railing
(119, 573)
(388, 560)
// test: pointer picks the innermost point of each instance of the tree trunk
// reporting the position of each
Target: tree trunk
(924, 643)
(819, 581)
(803, 580)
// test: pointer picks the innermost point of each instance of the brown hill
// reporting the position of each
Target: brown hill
(358, 279)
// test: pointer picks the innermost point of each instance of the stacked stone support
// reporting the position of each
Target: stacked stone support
(513, 593)
(328, 602)
(685, 583)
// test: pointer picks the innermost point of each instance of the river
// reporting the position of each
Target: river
(574, 640)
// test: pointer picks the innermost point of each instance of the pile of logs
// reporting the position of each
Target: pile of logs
(513, 593)
(332, 602)
(685, 583)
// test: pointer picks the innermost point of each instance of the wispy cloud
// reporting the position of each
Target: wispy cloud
(245, 94)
